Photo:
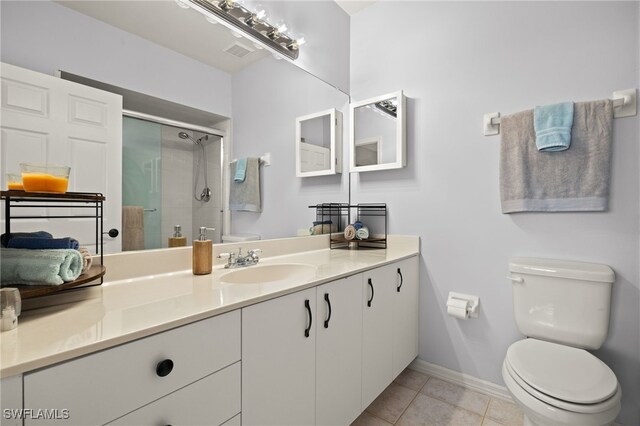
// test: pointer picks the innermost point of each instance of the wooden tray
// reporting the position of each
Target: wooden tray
(27, 291)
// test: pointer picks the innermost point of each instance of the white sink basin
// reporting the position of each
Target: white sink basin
(278, 272)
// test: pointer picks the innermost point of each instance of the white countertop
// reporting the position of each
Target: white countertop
(127, 309)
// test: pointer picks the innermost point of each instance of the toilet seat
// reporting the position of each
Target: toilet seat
(564, 377)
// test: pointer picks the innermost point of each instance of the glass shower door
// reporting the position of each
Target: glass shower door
(141, 184)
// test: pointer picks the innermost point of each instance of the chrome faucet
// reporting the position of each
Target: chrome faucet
(238, 260)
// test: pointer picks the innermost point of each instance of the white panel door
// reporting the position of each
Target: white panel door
(278, 361)
(377, 332)
(339, 351)
(46, 119)
(405, 314)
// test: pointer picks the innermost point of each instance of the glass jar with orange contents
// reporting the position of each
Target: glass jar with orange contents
(14, 182)
(45, 177)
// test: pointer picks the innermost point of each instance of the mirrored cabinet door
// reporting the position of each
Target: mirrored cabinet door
(319, 144)
(377, 136)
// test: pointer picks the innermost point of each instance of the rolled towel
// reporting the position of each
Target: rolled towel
(357, 224)
(39, 267)
(350, 232)
(362, 233)
(87, 259)
(4, 239)
(323, 229)
(35, 243)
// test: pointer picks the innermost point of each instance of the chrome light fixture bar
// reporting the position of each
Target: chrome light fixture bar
(253, 24)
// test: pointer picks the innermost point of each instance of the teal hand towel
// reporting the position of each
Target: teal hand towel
(39, 267)
(552, 124)
(241, 170)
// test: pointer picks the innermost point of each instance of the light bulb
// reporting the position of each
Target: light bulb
(282, 28)
(300, 41)
(260, 14)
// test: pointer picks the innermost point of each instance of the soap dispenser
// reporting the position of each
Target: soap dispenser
(177, 240)
(202, 253)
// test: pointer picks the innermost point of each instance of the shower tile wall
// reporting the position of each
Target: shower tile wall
(177, 184)
(208, 214)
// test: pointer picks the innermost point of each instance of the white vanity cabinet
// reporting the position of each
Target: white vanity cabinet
(378, 286)
(339, 351)
(390, 325)
(106, 385)
(278, 360)
(405, 314)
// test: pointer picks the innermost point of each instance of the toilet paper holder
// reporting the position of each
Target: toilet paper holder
(470, 303)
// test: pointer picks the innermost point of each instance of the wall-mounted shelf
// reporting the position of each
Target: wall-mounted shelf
(92, 201)
(373, 215)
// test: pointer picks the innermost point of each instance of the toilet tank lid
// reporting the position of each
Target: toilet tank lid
(563, 269)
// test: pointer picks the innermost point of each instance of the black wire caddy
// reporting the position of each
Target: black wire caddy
(91, 201)
(371, 215)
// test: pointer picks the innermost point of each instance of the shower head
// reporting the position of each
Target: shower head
(185, 135)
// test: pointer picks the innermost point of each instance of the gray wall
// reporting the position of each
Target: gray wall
(272, 110)
(44, 36)
(457, 62)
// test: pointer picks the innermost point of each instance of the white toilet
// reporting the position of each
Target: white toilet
(563, 309)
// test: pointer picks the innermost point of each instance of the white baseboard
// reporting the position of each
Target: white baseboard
(458, 378)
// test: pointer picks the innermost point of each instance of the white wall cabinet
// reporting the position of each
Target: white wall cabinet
(278, 361)
(339, 351)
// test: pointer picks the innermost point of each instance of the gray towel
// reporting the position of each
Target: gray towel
(40, 267)
(573, 180)
(245, 196)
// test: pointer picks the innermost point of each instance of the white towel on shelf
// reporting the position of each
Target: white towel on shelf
(132, 228)
(245, 196)
(573, 180)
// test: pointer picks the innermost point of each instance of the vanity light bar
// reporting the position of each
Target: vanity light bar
(250, 23)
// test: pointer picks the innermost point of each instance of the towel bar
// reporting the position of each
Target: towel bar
(265, 159)
(624, 104)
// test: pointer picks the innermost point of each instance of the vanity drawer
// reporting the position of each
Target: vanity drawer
(209, 401)
(103, 386)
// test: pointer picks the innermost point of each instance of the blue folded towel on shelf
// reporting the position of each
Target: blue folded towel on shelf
(241, 170)
(39, 240)
(4, 238)
(39, 267)
(552, 124)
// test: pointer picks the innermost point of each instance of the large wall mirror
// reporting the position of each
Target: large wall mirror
(237, 89)
(377, 136)
(319, 144)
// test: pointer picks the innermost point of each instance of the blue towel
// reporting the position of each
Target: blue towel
(4, 239)
(39, 267)
(241, 170)
(552, 124)
(35, 243)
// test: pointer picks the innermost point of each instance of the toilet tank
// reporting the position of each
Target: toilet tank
(562, 301)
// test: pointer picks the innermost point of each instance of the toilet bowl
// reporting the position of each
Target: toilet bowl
(563, 308)
(560, 385)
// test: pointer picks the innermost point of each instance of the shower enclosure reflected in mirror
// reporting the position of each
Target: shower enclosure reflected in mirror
(319, 144)
(377, 136)
(175, 177)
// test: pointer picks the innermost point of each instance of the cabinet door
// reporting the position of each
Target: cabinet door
(405, 314)
(339, 351)
(210, 401)
(377, 333)
(278, 361)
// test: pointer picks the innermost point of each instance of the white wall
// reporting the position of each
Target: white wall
(272, 110)
(44, 36)
(457, 61)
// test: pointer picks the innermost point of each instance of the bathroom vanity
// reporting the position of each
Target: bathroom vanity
(174, 348)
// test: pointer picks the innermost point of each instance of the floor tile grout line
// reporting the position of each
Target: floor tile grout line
(411, 402)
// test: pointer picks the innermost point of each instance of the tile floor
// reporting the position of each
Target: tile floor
(416, 399)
